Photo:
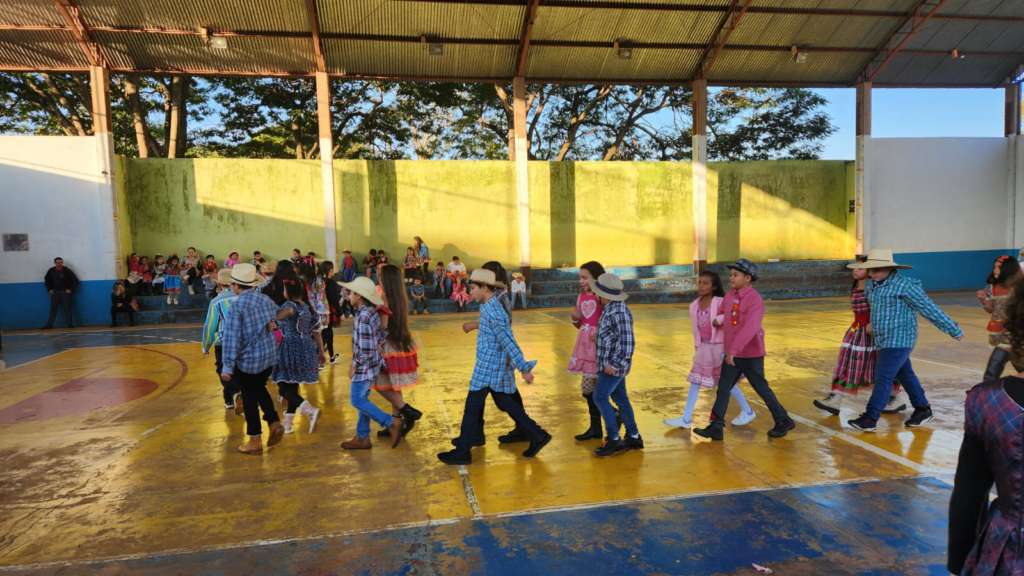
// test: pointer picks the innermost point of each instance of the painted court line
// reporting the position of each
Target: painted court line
(449, 521)
(467, 484)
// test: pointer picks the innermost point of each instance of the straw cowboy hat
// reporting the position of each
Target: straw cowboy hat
(244, 275)
(878, 258)
(365, 288)
(609, 287)
(518, 275)
(484, 276)
(224, 276)
(268, 268)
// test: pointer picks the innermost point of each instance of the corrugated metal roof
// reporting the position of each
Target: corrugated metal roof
(1003, 8)
(840, 5)
(441, 21)
(30, 13)
(166, 52)
(44, 49)
(748, 66)
(967, 36)
(603, 63)
(942, 70)
(408, 59)
(649, 26)
(235, 15)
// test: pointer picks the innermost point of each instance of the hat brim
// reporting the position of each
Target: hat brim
(613, 297)
(372, 296)
(871, 265)
(255, 282)
(753, 277)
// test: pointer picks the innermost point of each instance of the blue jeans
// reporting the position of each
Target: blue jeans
(419, 306)
(517, 295)
(893, 364)
(367, 411)
(614, 388)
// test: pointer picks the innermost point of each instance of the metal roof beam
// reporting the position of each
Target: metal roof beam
(906, 29)
(73, 17)
(314, 25)
(524, 37)
(725, 29)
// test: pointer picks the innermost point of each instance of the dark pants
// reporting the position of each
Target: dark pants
(439, 290)
(62, 300)
(516, 398)
(894, 364)
(427, 277)
(997, 364)
(474, 413)
(158, 289)
(255, 398)
(346, 309)
(419, 305)
(290, 392)
(127, 309)
(327, 335)
(230, 388)
(193, 279)
(753, 369)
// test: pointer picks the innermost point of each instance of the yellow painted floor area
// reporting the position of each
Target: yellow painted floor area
(161, 472)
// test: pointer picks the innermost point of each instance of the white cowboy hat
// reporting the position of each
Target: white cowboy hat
(484, 276)
(365, 288)
(608, 286)
(878, 258)
(224, 276)
(245, 275)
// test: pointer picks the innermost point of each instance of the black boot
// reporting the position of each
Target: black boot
(410, 415)
(517, 434)
(594, 432)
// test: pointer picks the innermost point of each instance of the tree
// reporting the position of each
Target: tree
(45, 104)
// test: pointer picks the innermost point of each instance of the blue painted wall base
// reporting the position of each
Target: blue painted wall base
(25, 306)
(965, 270)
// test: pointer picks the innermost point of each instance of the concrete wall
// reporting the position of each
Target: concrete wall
(942, 205)
(619, 213)
(49, 189)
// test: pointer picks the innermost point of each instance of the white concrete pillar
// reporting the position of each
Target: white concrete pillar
(1014, 166)
(103, 133)
(323, 110)
(522, 152)
(861, 198)
(700, 175)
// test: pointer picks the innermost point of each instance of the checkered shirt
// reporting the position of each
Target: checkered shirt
(615, 342)
(247, 344)
(366, 340)
(895, 303)
(497, 354)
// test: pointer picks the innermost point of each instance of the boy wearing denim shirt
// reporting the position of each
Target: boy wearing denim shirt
(419, 295)
(745, 352)
(895, 302)
(497, 358)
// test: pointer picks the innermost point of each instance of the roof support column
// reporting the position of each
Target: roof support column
(103, 133)
(323, 112)
(863, 132)
(522, 152)
(1013, 110)
(700, 175)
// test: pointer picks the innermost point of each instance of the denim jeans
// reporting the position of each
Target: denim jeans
(610, 388)
(472, 416)
(419, 306)
(360, 399)
(892, 364)
(753, 369)
(516, 295)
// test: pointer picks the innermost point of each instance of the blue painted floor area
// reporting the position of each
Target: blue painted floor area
(873, 527)
(27, 347)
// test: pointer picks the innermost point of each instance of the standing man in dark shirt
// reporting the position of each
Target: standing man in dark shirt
(60, 283)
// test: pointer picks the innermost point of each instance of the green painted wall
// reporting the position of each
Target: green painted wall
(123, 218)
(618, 213)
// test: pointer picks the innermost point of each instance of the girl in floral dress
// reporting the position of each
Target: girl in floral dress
(994, 298)
(300, 355)
(855, 367)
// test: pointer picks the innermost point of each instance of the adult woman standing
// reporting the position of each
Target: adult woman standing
(984, 538)
(424, 253)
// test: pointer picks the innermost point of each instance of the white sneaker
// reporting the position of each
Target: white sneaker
(229, 406)
(334, 359)
(191, 290)
(744, 418)
(175, 301)
(168, 300)
(895, 405)
(831, 403)
(678, 422)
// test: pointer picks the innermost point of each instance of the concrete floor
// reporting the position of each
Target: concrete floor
(118, 456)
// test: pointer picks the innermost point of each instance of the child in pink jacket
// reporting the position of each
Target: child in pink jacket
(709, 343)
(744, 352)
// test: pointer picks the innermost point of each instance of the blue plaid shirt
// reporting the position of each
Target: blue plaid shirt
(895, 303)
(497, 354)
(615, 342)
(248, 345)
(417, 290)
(366, 339)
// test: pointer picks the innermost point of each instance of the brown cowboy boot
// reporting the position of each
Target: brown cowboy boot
(276, 433)
(357, 443)
(254, 447)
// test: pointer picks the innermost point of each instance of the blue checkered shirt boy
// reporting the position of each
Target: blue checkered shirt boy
(247, 344)
(417, 290)
(497, 354)
(895, 303)
(366, 340)
(615, 342)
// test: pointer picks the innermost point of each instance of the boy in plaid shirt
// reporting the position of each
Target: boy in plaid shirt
(615, 344)
(497, 358)
(895, 302)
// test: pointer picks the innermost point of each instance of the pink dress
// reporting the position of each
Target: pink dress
(707, 362)
(584, 354)
(460, 295)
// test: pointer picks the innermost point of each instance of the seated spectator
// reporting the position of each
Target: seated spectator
(121, 303)
(456, 268)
